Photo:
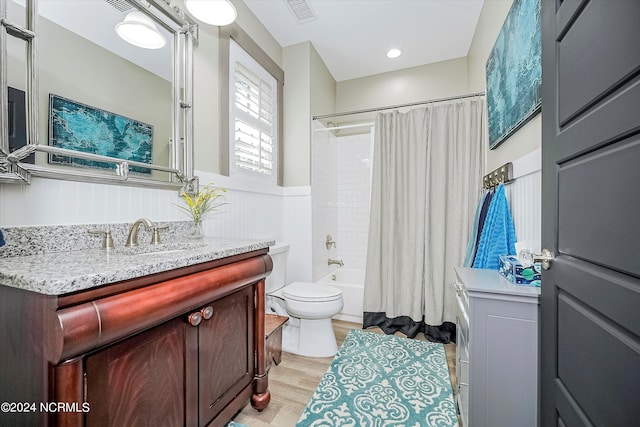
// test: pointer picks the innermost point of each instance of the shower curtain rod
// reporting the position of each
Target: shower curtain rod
(332, 128)
(391, 107)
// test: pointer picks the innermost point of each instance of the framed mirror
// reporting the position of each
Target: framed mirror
(81, 102)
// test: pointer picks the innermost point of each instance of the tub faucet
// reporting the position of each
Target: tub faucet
(132, 239)
(335, 261)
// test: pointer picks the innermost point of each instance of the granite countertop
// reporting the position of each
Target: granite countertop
(58, 273)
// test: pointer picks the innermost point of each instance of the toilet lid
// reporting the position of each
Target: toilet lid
(301, 291)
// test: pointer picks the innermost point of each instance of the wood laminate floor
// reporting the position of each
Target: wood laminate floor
(293, 382)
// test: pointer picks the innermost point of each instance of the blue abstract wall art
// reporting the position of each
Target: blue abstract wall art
(80, 127)
(514, 72)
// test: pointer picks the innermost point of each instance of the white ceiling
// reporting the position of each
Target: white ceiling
(353, 36)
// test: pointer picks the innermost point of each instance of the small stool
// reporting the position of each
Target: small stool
(273, 345)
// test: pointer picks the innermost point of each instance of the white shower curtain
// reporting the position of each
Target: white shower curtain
(427, 177)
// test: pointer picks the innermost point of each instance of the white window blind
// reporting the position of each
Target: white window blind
(253, 116)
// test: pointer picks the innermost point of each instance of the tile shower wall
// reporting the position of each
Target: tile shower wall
(354, 183)
(324, 190)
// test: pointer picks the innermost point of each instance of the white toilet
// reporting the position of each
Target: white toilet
(309, 306)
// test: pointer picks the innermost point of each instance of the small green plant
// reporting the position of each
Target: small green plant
(205, 201)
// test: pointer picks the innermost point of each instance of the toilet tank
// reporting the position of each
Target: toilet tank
(276, 279)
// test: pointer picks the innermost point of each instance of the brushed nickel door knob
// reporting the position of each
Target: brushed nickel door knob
(528, 258)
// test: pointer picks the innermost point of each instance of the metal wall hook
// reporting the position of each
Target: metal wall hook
(501, 175)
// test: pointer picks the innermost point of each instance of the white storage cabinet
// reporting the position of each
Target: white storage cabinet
(497, 350)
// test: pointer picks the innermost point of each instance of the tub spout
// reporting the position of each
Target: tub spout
(336, 261)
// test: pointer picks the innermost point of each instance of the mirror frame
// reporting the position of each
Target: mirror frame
(185, 37)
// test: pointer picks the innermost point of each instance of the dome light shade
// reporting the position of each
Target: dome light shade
(139, 30)
(213, 12)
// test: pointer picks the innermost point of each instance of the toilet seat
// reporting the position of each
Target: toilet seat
(311, 292)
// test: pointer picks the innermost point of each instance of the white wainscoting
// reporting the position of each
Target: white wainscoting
(262, 210)
(525, 198)
(254, 210)
(297, 231)
(57, 202)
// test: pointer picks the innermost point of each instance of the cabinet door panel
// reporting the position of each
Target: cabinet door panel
(140, 381)
(226, 352)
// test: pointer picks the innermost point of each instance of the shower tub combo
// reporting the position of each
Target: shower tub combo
(351, 282)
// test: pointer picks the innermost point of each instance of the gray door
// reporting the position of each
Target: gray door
(590, 306)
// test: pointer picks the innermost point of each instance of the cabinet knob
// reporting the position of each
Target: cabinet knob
(195, 318)
(207, 312)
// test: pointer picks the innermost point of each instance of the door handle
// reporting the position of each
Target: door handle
(528, 258)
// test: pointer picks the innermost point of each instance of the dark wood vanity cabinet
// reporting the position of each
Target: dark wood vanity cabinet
(148, 372)
(184, 348)
(212, 357)
(225, 358)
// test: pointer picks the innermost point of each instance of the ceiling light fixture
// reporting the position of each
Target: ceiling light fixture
(213, 12)
(394, 53)
(139, 30)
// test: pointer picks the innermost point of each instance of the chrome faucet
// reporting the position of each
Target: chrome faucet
(132, 239)
(336, 261)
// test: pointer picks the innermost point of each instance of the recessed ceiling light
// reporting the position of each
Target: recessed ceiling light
(394, 53)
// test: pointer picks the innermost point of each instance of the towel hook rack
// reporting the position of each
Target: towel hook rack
(501, 175)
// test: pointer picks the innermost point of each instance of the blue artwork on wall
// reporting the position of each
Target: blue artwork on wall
(80, 127)
(514, 72)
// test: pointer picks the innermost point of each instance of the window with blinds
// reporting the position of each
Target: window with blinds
(253, 116)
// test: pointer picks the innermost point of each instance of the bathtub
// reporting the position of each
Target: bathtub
(351, 282)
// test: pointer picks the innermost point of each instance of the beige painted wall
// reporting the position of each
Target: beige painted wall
(442, 79)
(206, 87)
(252, 26)
(206, 103)
(323, 86)
(529, 137)
(309, 89)
(438, 80)
(297, 110)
